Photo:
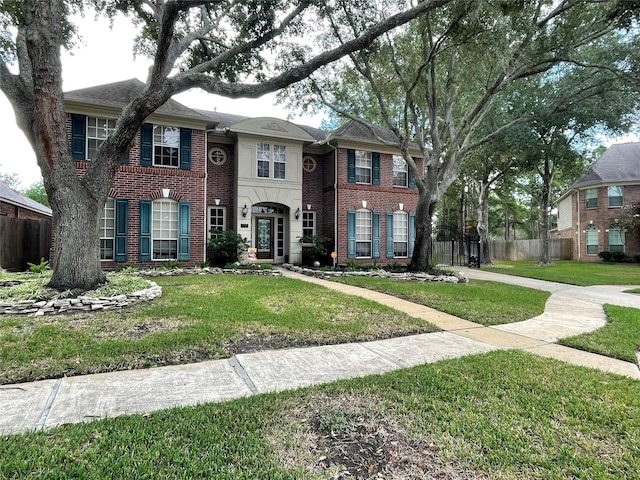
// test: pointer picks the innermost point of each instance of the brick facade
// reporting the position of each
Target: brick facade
(16, 211)
(602, 217)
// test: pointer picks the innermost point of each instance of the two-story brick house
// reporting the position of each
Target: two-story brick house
(588, 212)
(268, 179)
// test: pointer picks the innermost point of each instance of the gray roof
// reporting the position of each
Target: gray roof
(362, 131)
(619, 164)
(119, 94)
(7, 194)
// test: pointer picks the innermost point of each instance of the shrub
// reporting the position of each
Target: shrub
(636, 257)
(605, 256)
(226, 246)
(39, 267)
(620, 257)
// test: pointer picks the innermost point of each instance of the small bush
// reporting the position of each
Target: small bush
(226, 247)
(39, 267)
(636, 257)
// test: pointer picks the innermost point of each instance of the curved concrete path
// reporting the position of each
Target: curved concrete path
(569, 310)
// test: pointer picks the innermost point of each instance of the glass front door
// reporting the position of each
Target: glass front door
(264, 238)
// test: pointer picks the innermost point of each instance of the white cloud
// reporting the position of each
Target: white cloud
(103, 56)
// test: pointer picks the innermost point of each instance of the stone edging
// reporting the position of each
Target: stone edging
(415, 276)
(78, 304)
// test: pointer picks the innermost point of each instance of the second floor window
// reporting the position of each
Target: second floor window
(265, 153)
(166, 146)
(98, 129)
(363, 167)
(400, 172)
(591, 198)
(615, 196)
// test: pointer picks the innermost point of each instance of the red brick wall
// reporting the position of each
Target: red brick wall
(10, 210)
(135, 183)
(383, 198)
(602, 217)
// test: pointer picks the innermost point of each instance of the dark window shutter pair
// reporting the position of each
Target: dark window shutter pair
(146, 146)
(184, 231)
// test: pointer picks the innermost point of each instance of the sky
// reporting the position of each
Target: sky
(105, 56)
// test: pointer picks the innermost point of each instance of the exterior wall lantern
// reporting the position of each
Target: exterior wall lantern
(297, 213)
(245, 210)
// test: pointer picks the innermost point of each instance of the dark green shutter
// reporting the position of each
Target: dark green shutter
(412, 181)
(351, 234)
(351, 166)
(125, 159)
(146, 144)
(390, 235)
(412, 233)
(185, 148)
(375, 160)
(376, 234)
(145, 231)
(184, 230)
(78, 136)
(122, 230)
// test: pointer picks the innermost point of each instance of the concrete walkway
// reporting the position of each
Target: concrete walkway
(569, 311)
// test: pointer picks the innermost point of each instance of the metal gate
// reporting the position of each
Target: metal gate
(452, 248)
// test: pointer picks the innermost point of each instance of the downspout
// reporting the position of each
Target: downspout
(579, 223)
(335, 199)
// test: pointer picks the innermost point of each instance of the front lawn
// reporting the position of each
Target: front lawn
(487, 303)
(504, 415)
(619, 338)
(198, 317)
(572, 272)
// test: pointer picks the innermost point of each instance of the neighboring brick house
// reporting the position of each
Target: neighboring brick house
(12, 204)
(589, 211)
(268, 179)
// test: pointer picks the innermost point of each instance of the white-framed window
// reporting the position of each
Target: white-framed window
(217, 156)
(363, 166)
(363, 233)
(216, 219)
(308, 223)
(616, 238)
(164, 232)
(400, 234)
(263, 153)
(267, 153)
(279, 162)
(591, 240)
(615, 196)
(400, 172)
(591, 198)
(166, 146)
(308, 164)
(107, 230)
(98, 129)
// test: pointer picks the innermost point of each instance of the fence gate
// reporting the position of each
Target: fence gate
(452, 248)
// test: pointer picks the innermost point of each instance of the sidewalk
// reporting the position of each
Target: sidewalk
(570, 310)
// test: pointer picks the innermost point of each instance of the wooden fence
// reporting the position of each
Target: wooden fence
(560, 249)
(23, 241)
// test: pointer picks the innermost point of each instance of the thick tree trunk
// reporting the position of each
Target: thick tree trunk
(76, 256)
(420, 262)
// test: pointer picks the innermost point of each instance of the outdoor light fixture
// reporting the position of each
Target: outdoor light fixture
(245, 210)
(297, 213)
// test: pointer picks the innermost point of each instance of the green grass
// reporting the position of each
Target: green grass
(198, 317)
(506, 415)
(487, 303)
(572, 272)
(619, 338)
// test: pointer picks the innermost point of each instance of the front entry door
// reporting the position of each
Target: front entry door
(264, 238)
